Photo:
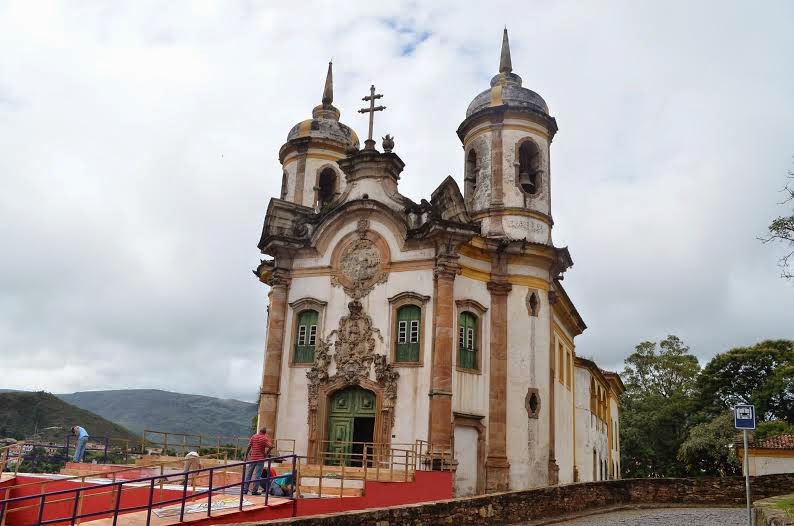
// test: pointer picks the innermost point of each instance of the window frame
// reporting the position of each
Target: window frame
(540, 181)
(396, 302)
(478, 310)
(296, 308)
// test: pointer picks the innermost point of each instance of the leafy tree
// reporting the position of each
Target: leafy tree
(762, 375)
(782, 230)
(772, 428)
(708, 449)
(660, 382)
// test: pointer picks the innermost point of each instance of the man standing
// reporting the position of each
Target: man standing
(82, 438)
(258, 449)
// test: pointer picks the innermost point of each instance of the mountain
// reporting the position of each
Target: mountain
(23, 413)
(156, 410)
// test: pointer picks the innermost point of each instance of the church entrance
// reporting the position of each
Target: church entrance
(351, 426)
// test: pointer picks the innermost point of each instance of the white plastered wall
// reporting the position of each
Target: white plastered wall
(412, 409)
(528, 366)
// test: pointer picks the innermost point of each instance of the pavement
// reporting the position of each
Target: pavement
(663, 517)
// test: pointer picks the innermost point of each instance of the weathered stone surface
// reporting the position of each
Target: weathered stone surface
(766, 513)
(516, 506)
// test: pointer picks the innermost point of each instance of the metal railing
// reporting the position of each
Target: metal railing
(5, 455)
(234, 446)
(78, 495)
(345, 462)
(112, 475)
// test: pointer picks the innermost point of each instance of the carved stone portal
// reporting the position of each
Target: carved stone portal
(354, 355)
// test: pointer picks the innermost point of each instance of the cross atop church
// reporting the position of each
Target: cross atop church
(369, 144)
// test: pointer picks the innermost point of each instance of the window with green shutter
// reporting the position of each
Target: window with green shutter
(407, 334)
(305, 337)
(467, 341)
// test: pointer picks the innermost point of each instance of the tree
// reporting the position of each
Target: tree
(782, 230)
(657, 406)
(762, 375)
(709, 448)
(772, 428)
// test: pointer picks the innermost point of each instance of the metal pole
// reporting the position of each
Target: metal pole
(747, 481)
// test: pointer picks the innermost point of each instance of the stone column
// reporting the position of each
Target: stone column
(274, 348)
(443, 345)
(497, 467)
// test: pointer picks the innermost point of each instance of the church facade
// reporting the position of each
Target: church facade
(392, 321)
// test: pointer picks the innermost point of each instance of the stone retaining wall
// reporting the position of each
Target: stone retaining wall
(768, 514)
(544, 503)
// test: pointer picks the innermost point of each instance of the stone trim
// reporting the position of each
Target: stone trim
(470, 305)
(298, 306)
(395, 303)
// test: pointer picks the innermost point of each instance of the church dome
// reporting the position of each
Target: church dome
(324, 123)
(506, 89)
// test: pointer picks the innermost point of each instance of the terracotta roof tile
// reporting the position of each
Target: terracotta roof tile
(784, 441)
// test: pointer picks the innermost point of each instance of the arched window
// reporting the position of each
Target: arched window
(529, 167)
(326, 187)
(407, 334)
(305, 336)
(467, 341)
(592, 396)
(470, 178)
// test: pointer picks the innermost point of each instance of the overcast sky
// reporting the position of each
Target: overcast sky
(139, 148)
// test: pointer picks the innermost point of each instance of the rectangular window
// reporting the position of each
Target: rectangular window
(470, 339)
(312, 334)
(415, 331)
(568, 369)
(461, 337)
(302, 335)
(560, 364)
(402, 330)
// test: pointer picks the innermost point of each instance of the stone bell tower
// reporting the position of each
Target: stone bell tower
(506, 139)
(310, 175)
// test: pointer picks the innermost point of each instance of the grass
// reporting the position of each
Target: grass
(786, 505)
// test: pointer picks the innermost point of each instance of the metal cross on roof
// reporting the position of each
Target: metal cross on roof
(369, 144)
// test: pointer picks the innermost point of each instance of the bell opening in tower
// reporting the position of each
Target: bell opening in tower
(529, 167)
(326, 188)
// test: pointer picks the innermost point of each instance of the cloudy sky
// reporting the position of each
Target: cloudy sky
(139, 142)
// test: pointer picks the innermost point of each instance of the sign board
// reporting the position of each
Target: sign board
(744, 417)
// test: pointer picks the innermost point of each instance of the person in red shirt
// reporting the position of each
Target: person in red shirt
(258, 449)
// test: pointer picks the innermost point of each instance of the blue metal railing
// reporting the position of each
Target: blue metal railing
(183, 499)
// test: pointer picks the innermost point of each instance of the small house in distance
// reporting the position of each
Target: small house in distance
(771, 455)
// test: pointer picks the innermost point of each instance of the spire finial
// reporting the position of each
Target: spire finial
(328, 90)
(505, 64)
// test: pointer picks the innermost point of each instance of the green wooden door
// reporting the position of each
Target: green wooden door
(344, 407)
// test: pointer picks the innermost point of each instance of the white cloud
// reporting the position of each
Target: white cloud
(138, 150)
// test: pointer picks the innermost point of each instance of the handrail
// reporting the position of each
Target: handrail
(235, 445)
(118, 486)
(108, 474)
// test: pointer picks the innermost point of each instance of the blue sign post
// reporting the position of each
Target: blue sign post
(744, 419)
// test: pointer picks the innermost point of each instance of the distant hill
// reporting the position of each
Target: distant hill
(23, 413)
(139, 409)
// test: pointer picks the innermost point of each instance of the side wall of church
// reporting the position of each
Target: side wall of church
(591, 435)
(528, 359)
(564, 388)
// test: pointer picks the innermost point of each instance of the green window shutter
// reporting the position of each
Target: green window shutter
(406, 334)
(467, 341)
(306, 336)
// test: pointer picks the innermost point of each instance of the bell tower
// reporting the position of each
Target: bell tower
(310, 174)
(506, 138)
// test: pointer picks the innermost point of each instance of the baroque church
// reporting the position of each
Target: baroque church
(443, 321)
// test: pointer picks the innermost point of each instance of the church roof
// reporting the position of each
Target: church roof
(324, 123)
(506, 89)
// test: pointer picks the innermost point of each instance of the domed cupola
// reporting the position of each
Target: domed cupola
(506, 138)
(311, 176)
(506, 89)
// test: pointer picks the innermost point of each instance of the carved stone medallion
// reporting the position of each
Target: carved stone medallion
(361, 264)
